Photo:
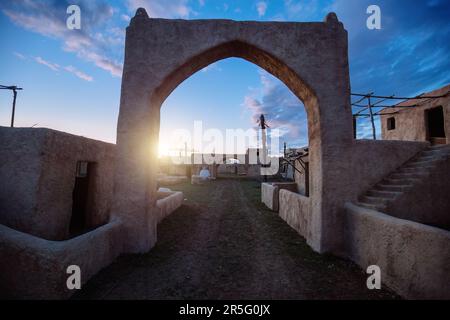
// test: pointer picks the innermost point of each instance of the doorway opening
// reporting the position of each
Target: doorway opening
(253, 93)
(435, 126)
(81, 197)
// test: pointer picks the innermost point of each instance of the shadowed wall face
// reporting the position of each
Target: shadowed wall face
(41, 167)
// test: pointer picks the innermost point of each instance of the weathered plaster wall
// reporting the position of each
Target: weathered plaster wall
(427, 201)
(411, 123)
(269, 196)
(302, 177)
(295, 209)
(40, 166)
(270, 193)
(20, 168)
(39, 266)
(160, 54)
(168, 202)
(60, 155)
(414, 258)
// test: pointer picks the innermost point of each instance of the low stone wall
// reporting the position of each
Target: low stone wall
(270, 193)
(414, 258)
(171, 180)
(196, 179)
(269, 196)
(40, 167)
(35, 268)
(168, 202)
(295, 209)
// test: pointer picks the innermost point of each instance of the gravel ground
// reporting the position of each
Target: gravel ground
(224, 244)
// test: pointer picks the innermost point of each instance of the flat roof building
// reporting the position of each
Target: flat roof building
(419, 119)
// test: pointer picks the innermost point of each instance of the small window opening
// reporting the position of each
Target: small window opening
(391, 123)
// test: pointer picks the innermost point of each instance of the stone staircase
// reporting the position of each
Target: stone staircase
(380, 196)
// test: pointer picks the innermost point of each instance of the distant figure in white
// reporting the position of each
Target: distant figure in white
(204, 174)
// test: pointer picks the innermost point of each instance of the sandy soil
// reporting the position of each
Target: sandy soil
(224, 244)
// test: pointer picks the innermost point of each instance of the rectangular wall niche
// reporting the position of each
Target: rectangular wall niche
(82, 197)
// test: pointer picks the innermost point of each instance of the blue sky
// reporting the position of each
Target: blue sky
(72, 78)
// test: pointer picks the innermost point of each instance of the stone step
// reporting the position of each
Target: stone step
(403, 179)
(383, 193)
(428, 157)
(408, 175)
(375, 200)
(393, 187)
(439, 147)
(435, 152)
(401, 182)
(428, 163)
(414, 170)
(378, 207)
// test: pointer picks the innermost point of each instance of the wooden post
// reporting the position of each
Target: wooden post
(372, 119)
(14, 107)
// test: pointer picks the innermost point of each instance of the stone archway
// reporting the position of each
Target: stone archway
(310, 58)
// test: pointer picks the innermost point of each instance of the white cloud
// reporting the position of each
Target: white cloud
(86, 44)
(78, 73)
(56, 67)
(52, 66)
(162, 8)
(261, 7)
(125, 17)
(19, 55)
(283, 110)
(212, 67)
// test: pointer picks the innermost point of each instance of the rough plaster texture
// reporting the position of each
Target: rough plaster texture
(414, 258)
(411, 124)
(168, 202)
(270, 193)
(301, 176)
(20, 169)
(40, 166)
(269, 196)
(39, 265)
(310, 58)
(295, 209)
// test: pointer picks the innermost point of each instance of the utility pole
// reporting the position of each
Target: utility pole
(372, 121)
(263, 124)
(14, 89)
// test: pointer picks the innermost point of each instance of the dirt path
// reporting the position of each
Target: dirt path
(223, 244)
